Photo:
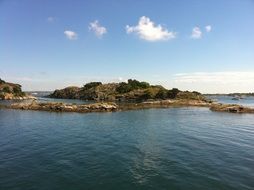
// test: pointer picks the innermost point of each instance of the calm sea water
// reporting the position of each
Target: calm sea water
(68, 101)
(47, 100)
(176, 148)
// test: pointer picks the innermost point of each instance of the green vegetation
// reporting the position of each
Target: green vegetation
(10, 90)
(172, 94)
(131, 85)
(17, 89)
(6, 89)
(132, 90)
(162, 94)
(91, 85)
(68, 93)
(150, 93)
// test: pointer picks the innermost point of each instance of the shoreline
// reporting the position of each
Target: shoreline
(125, 106)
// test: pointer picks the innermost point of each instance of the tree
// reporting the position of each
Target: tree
(135, 84)
(162, 94)
(144, 85)
(123, 88)
(91, 85)
(17, 90)
(7, 89)
(173, 93)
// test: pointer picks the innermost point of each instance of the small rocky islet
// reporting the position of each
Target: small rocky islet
(115, 97)
(12, 91)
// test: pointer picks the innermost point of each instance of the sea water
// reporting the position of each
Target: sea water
(175, 148)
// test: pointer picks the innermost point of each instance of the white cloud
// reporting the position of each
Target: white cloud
(196, 33)
(219, 77)
(97, 28)
(51, 19)
(208, 28)
(147, 30)
(214, 82)
(71, 35)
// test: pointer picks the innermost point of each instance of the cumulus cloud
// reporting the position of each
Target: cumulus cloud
(97, 28)
(196, 33)
(208, 28)
(71, 35)
(147, 30)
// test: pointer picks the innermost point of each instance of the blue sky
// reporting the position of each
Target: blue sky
(190, 44)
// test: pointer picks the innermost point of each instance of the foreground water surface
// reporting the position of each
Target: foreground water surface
(176, 148)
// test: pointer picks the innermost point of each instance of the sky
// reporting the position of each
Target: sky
(207, 46)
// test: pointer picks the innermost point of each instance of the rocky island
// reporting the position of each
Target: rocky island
(232, 108)
(129, 95)
(11, 91)
(130, 91)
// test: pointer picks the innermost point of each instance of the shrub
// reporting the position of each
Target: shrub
(7, 89)
(190, 95)
(131, 85)
(197, 93)
(123, 88)
(162, 94)
(147, 95)
(173, 93)
(135, 84)
(17, 90)
(91, 85)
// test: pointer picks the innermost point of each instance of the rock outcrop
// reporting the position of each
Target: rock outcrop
(101, 106)
(111, 106)
(232, 108)
(11, 91)
(62, 107)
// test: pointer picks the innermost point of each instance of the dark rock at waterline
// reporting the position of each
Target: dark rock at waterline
(232, 108)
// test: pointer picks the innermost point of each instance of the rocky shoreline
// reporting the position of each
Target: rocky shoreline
(10, 96)
(112, 106)
(62, 107)
(232, 108)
